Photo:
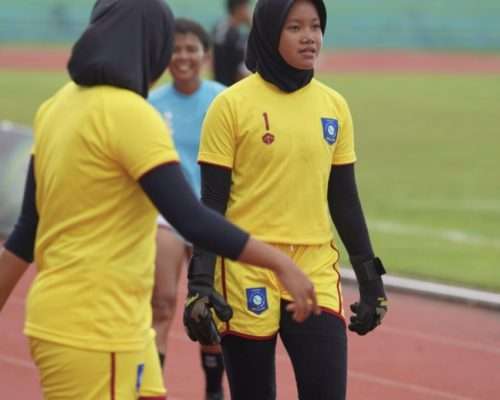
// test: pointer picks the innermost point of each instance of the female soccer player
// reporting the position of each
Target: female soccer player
(277, 157)
(102, 157)
(183, 104)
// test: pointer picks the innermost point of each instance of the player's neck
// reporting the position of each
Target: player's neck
(187, 87)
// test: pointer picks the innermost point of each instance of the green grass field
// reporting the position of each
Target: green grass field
(428, 169)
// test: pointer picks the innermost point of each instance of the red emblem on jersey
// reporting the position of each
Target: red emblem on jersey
(268, 138)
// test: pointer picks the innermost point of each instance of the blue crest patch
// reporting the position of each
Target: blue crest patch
(257, 300)
(330, 129)
(140, 374)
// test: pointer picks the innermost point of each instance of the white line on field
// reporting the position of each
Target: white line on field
(18, 362)
(469, 205)
(446, 341)
(29, 365)
(449, 235)
(407, 386)
(354, 374)
(438, 394)
(473, 296)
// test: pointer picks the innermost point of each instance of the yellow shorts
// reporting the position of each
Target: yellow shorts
(255, 293)
(70, 373)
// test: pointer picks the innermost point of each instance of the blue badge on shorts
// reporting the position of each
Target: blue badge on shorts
(330, 129)
(257, 300)
(140, 374)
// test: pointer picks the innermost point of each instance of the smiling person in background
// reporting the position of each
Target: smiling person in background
(183, 104)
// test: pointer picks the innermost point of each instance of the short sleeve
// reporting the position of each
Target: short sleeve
(39, 113)
(344, 150)
(217, 145)
(142, 141)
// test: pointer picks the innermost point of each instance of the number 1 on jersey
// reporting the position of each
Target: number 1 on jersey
(266, 120)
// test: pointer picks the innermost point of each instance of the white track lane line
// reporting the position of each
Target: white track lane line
(18, 362)
(353, 374)
(448, 235)
(437, 394)
(443, 340)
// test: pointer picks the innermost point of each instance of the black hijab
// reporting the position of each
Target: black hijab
(263, 43)
(128, 44)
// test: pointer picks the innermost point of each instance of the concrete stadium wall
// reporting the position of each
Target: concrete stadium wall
(380, 24)
(15, 147)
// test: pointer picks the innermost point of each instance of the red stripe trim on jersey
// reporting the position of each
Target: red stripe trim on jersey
(215, 165)
(335, 268)
(339, 292)
(244, 336)
(334, 313)
(345, 163)
(336, 251)
(113, 376)
(224, 287)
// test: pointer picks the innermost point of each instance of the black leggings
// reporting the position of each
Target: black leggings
(317, 349)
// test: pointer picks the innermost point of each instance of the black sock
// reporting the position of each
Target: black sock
(161, 356)
(213, 366)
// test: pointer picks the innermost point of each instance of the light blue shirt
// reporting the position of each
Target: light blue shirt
(184, 115)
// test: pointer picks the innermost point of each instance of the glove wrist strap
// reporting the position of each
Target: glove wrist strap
(369, 270)
(201, 269)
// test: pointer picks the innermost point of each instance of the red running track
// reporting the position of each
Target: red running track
(425, 350)
(381, 61)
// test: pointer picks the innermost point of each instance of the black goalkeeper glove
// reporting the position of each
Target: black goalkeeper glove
(371, 308)
(202, 298)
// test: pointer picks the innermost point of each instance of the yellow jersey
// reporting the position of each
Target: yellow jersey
(96, 233)
(280, 148)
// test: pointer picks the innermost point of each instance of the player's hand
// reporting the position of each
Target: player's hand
(304, 301)
(198, 319)
(371, 308)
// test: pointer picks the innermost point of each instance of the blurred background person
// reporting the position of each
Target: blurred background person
(230, 39)
(183, 103)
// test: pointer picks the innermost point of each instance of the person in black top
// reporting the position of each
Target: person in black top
(230, 43)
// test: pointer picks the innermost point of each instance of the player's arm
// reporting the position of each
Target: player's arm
(17, 253)
(12, 269)
(215, 189)
(169, 191)
(347, 214)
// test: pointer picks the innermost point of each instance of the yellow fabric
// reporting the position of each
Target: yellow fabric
(71, 373)
(259, 317)
(280, 168)
(95, 240)
(152, 380)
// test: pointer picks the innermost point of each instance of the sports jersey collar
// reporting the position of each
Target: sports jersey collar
(187, 96)
(275, 88)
